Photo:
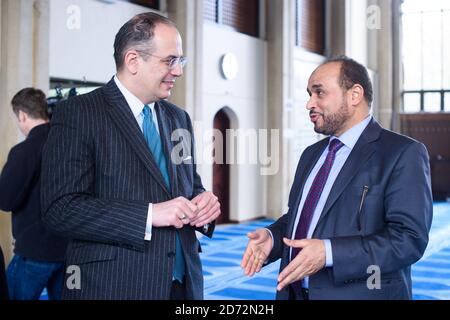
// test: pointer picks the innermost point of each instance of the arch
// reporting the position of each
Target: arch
(224, 119)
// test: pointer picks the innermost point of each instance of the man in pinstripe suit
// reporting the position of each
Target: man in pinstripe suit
(106, 188)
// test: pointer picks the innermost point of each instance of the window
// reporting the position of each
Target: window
(241, 15)
(310, 25)
(426, 48)
(210, 10)
(152, 4)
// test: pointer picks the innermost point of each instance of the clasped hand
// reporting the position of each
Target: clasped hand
(178, 212)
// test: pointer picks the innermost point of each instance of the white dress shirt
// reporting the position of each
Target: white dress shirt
(137, 107)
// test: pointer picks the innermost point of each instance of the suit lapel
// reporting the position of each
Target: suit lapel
(166, 128)
(122, 116)
(360, 154)
(309, 162)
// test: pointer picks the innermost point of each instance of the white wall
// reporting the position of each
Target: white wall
(82, 35)
(246, 97)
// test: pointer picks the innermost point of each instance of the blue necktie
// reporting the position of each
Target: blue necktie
(153, 139)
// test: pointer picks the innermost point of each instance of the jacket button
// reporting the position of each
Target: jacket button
(171, 254)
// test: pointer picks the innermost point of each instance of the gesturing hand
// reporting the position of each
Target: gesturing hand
(309, 260)
(258, 248)
(176, 212)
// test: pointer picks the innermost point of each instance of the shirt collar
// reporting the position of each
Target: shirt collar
(134, 103)
(351, 136)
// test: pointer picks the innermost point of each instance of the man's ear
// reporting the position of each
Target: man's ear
(131, 61)
(357, 94)
(22, 116)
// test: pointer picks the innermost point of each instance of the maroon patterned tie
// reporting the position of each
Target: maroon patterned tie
(314, 194)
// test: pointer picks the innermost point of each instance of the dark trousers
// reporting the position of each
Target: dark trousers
(298, 293)
(178, 291)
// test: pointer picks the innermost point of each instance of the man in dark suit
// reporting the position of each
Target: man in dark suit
(38, 260)
(115, 183)
(360, 207)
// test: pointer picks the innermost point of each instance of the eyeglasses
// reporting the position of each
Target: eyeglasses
(171, 61)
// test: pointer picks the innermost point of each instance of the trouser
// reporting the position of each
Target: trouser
(27, 278)
(178, 290)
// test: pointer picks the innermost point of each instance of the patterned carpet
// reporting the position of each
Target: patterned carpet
(224, 279)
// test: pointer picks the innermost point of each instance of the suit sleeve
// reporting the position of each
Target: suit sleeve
(68, 199)
(16, 178)
(408, 214)
(278, 229)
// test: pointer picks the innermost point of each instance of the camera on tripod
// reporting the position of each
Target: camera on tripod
(52, 102)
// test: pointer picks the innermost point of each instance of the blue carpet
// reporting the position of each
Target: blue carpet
(224, 278)
(251, 294)
(431, 275)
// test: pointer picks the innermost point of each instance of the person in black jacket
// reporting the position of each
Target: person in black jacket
(38, 260)
(3, 286)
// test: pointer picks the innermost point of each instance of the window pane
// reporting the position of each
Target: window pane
(411, 102)
(447, 102)
(412, 52)
(433, 5)
(445, 5)
(425, 49)
(243, 16)
(446, 37)
(432, 102)
(153, 4)
(420, 5)
(210, 10)
(411, 6)
(310, 28)
(432, 50)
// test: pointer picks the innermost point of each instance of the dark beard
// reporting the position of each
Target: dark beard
(334, 122)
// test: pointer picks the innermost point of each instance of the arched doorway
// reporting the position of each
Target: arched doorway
(221, 170)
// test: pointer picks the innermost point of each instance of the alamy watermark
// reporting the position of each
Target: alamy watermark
(373, 14)
(234, 146)
(374, 280)
(73, 21)
(73, 281)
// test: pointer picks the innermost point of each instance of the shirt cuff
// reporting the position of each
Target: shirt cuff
(271, 235)
(148, 227)
(328, 254)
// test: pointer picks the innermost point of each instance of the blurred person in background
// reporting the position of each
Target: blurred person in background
(38, 253)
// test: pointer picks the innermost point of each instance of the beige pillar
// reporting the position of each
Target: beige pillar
(188, 16)
(397, 65)
(23, 63)
(387, 61)
(280, 41)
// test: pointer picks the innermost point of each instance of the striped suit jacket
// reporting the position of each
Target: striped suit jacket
(98, 178)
